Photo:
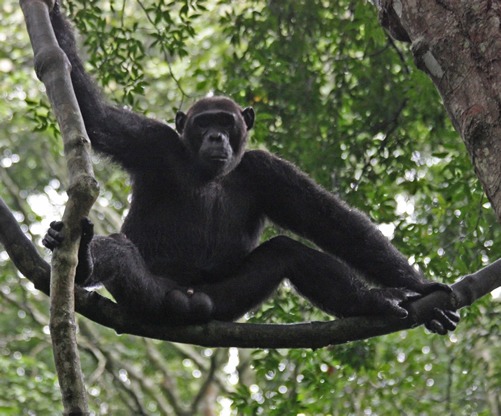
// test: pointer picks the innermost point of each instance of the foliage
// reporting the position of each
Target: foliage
(333, 94)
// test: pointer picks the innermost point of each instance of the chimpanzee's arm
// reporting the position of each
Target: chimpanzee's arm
(133, 140)
(292, 200)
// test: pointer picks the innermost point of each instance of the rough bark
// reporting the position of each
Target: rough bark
(53, 69)
(458, 44)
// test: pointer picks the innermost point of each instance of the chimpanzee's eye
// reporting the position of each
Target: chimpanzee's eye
(221, 119)
(203, 120)
(226, 120)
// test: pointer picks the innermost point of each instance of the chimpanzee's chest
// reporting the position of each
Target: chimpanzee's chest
(202, 228)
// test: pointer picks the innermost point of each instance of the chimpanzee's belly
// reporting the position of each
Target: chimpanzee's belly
(201, 237)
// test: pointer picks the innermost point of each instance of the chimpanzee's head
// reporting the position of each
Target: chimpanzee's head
(215, 131)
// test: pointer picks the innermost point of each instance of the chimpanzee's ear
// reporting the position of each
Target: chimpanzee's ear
(180, 121)
(249, 116)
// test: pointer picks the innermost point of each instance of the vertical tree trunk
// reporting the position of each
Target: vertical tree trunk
(53, 69)
(458, 44)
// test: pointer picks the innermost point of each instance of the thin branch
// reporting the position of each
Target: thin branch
(169, 384)
(145, 383)
(210, 380)
(112, 365)
(53, 69)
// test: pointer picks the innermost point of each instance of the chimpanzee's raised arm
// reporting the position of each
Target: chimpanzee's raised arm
(130, 139)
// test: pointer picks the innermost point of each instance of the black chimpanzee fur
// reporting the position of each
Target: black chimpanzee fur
(189, 248)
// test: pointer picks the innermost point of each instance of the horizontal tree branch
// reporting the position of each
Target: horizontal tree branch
(244, 335)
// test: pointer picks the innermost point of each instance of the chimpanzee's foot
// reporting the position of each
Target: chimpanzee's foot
(54, 236)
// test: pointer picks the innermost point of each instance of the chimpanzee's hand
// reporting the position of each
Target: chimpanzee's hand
(389, 300)
(426, 287)
(444, 320)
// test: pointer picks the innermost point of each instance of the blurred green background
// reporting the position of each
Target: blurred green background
(334, 95)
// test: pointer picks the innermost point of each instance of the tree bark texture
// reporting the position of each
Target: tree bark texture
(53, 69)
(458, 44)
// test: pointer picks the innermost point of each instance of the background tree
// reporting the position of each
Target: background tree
(468, 79)
(334, 94)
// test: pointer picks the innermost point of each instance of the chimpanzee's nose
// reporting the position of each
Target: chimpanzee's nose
(216, 136)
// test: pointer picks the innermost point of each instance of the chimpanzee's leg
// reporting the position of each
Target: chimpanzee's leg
(115, 262)
(324, 280)
(121, 268)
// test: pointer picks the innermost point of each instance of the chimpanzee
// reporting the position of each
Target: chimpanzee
(189, 251)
